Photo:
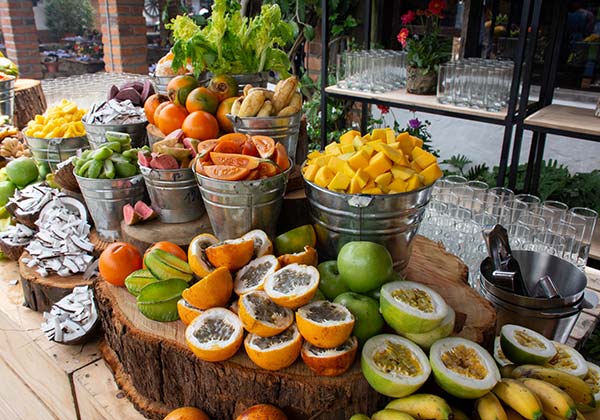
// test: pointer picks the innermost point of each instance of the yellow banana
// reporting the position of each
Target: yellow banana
(512, 414)
(514, 394)
(423, 406)
(554, 400)
(459, 415)
(389, 414)
(576, 387)
(488, 407)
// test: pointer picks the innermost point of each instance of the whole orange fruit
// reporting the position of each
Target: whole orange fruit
(152, 103)
(179, 88)
(262, 411)
(222, 111)
(158, 110)
(169, 247)
(170, 118)
(200, 125)
(202, 99)
(187, 413)
(117, 261)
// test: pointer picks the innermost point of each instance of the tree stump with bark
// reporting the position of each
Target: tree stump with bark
(29, 101)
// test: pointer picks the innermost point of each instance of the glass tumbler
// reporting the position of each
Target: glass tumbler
(445, 84)
(584, 219)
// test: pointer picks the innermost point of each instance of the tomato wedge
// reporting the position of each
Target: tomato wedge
(226, 172)
(235, 159)
(249, 149)
(265, 146)
(205, 147)
(237, 138)
(268, 169)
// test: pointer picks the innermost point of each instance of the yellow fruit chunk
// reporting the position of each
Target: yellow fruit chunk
(397, 156)
(345, 156)
(425, 159)
(348, 136)
(378, 164)
(335, 164)
(384, 179)
(361, 177)
(415, 166)
(379, 133)
(431, 173)
(313, 155)
(398, 185)
(358, 142)
(359, 160)
(369, 149)
(413, 183)
(417, 141)
(347, 148)
(390, 135)
(347, 169)
(406, 142)
(366, 138)
(355, 187)
(324, 176)
(339, 182)
(402, 172)
(333, 149)
(322, 160)
(372, 190)
(310, 171)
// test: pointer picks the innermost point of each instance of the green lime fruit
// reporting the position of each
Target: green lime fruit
(137, 280)
(295, 240)
(522, 345)
(425, 340)
(7, 189)
(22, 171)
(364, 265)
(158, 300)
(394, 366)
(463, 368)
(330, 281)
(367, 319)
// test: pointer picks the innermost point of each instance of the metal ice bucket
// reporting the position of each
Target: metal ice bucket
(96, 133)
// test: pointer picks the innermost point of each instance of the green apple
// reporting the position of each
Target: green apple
(7, 189)
(368, 321)
(22, 171)
(364, 265)
(330, 282)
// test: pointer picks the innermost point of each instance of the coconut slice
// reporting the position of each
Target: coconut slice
(522, 345)
(463, 368)
(568, 360)
(393, 365)
(410, 307)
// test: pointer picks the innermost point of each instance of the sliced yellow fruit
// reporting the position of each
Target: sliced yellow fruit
(424, 159)
(417, 141)
(293, 286)
(325, 324)
(398, 185)
(347, 148)
(215, 335)
(379, 133)
(431, 174)
(348, 137)
(313, 155)
(261, 316)
(360, 159)
(322, 160)
(252, 276)
(324, 176)
(358, 142)
(347, 169)
(335, 164)
(274, 353)
(340, 181)
(390, 135)
(333, 149)
(355, 187)
(310, 171)
(378, 164)
(413, 183)
(384, 179)
(372, 190)
(362, 178)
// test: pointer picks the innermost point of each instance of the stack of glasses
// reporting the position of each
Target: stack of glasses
(475, 83)
(459, 210)
(371, 70)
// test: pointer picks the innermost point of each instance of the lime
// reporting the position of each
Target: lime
(295, 240)
(158, 300)
(22, 171)
(364, 265)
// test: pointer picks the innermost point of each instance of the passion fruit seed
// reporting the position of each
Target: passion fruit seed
(214, 329)
(396, 358)
(326, 311)
(593, 380)
(563, 359)
(464, 361)
(265, 343)
(318, 351)
(416, 298)
(288, 281)
(527, 340)
(265, 309)
(253, 275)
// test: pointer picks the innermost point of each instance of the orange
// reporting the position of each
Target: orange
(261, 316)
(226, 146)
(170, 118)
(187, 313)
(262, 412)
(224, 172)
(200, 125)
(235, 159)
(215, 335)
(222, 111)
(202, 99)
(179, 88)
(252, 276)
(205, 147)
(169, 247)
(262, 243)
(152, 103)
(325, 324)
(292, 286)
(117, 261)
(265, 146)
(281, 157)
(274, 353)
(233, 253)
(307, 257)
(158, 110)
(187, 413)
(330, 362)
(197, 257)
(211, 291)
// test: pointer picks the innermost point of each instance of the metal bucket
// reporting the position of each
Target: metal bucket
(174, 194)
(254, 79)
(55, 150)
(282, 129)
(96, 133)
(7, 99)
(236, 207)
(161, 82)
(389, 219)
(554, 318)
(105, 199)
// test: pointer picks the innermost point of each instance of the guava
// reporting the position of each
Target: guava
(367, 319)
(22, 171)
(330, 281)
(364, 265)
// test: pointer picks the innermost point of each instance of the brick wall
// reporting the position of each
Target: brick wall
(20, 36)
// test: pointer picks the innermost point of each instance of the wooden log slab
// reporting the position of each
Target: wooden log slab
(29, 101)
(40, 293)
(158, 372)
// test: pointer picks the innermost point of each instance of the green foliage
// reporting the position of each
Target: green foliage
(68, 16)
(425, 52)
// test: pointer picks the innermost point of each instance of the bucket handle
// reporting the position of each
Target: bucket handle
(55, 142)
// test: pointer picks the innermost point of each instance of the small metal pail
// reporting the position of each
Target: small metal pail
(55, 150)
(105, 199)
(174, 194)
(7, 99)
(96, 133)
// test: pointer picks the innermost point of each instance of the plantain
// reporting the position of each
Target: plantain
(235, 107)
(266, 110)
(284, 91)
(252, 104)
(488, 407)
(268, 93)
(247, 89)
(294, 106)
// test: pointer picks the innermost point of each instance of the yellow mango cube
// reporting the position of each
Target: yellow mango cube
(417, 141)
(366, 138)
(400, 172)
(362, 178)
(333, 149)
(395, 155)
(372, 190)
(369, 149)
(324, 176)
(384, 179)
(340, 181)
(406, 143)
(348, 136)
(322, 160)
(313, 155)
(378, 164)
(358, 142)
(425, 159)
(345, 156)
(379, 133)
(415, 166)
(310, 171)
(416, 152)
(335, 164)
(355, 187)
(360, 159)
(413, 183)
(390, 135)
(398, 185)
(430, 174)
(39, 119)
(347, 169)
(347, 148)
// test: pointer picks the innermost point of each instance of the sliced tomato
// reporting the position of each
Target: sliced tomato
(226, 172)
(205, 147)
(235, 159)
(265, 146)
(249, 149)
(267, 169)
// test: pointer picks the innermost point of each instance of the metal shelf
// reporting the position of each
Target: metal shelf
(566, 121)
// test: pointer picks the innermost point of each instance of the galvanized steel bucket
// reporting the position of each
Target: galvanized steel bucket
(161, 82)
(236, 207)
(55, 150)
(389, 219)
(105, 199)
(282, 129)
(255, 79)
(96, 133)
(7, 99)
(174, 194)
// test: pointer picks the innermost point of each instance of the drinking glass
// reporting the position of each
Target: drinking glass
(519, 235)
(532, 201)
(340, 71)
(494, 94)
(553, 210)
(572, 239)
(461, 84)
(584, 219)
(477, 86)
(512, 211)
(535, 223)
(445, 84)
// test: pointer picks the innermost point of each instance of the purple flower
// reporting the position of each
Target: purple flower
(414, 123)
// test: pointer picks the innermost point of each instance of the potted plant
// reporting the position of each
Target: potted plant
(424, 52)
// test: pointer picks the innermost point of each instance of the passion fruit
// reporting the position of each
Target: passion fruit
(262, 412)
(330, 362)
(463, 368)
(522, 345)
(568, 360)
(425, 340)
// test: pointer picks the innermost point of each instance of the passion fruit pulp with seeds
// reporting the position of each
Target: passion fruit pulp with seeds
(261, 316)
(215, 335)
(275, 352)
(252, 276)
(522, 345)
(330, 362)
(568, 360)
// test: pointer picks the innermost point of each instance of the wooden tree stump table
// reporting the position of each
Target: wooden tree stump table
(157, 371)
(29, 101)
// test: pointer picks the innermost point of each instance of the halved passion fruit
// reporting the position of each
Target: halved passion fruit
(463, 368)
(568, 360)
(425, 340)
(215, 335)
(211, 291)
(197, 258)
(252, 276)
(394, 365)
(307, 257)
(187, 312)
(261, 316)
(262, 243)
(522, 345)
(275, 352)
(330, 362)
(293, 286)
(232, 253)
(593, 380)
(499, 355)
(325, 324)
(410, 307)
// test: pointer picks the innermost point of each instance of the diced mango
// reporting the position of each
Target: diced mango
(366, 138)
(333, 149)
(384, 179)
(360, 159)
(322, 160)
(347, 148)
(355, 187)
(372, 190)
(398, 185)
(345, 156)
(335, 164)
(379, 133)
(340, 181)
(431, 173)
(348, 136)
(415, 166)
(397, 156)
(362, 178)
(369, 149)
(358, 142)
(413, 183)
(310, 171)
(417, 141)
(378, 164)
(390, 135)
(324, 176)
(425, 159)
(313, 155)
(416, 152)
(402, 173)
(406, 142)
(347, 169)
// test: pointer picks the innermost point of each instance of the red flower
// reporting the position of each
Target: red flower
(402, 36)
(420, 12)
(384, 109)
(436, 7)
(408, 17)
